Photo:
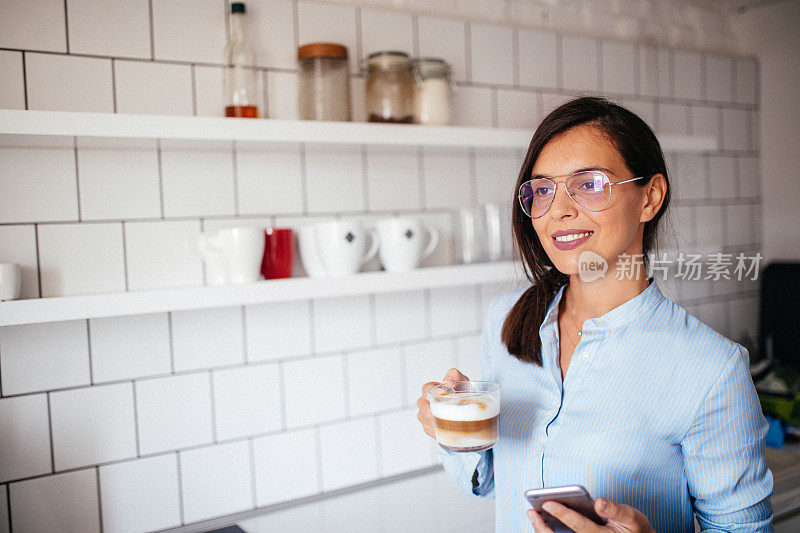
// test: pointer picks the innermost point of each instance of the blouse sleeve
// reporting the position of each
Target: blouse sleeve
(724, 455)
(473, 472)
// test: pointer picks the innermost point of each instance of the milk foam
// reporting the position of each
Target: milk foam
(480, 407)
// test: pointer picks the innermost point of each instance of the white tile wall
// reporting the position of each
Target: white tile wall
(119, 182)
(209, 100)
(189, 192)
(426, 361)
(688, 74)
(270, 28)
(447, 178)
(537, 59)
(495, 175)
(216, 480)
(44, 356)
(68, 83)
(518, 109)
(329, 172)
(375, 381)
(705, 121)
(386, 30)
(749, 177)
(12, 91)
(285, 466)
(741, 224)
(189, 30)
(719, 78)
(93, 425)
(654, 71)
(25, 439)
(34, 26)
(619, 72)
(722, 177)
(342, 323)
(746, 82)
(673, 119)
(404, 445)
(247, 401)
(277, 331)
(472, 106)
(19, 246)
(314, 390)
(689, 177)
(714, 315)
(282, 95)
(50, 192)
(468, 355)
(153, 88)
(140, 495)
(580, 63)
(173, 412)
(161, 254)
(492, 53)
(347, 451)
(454, 310)
(709, 225)
(269, 179)
(393, 181)
(127, 347)
(320, 22)
(81, 259)
(206, 338)
(400, 316)
(40, 504)
(744, 319)
(5, 523)
(441, 37)
(119, 28)
(736, 130)
(645, 110)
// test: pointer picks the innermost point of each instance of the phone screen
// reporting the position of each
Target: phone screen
(573, 496)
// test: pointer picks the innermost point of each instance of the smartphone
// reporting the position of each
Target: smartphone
(573, 496)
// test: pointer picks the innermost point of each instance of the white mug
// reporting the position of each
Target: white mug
(10, 281)
(232, 255)
(403, 243)
(341, 246)
(309, 253)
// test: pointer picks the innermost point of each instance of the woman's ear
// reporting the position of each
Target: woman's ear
(655, 192)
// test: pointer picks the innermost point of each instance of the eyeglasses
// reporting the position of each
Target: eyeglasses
(590, 190)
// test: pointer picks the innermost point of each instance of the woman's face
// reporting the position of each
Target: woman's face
(617, 229)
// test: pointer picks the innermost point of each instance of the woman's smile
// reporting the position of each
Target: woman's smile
(569, 239)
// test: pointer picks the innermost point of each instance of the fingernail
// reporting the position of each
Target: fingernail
(602, 504)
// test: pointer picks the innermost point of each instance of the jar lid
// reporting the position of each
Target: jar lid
(332, 50)
(431, 67)
(389, 59)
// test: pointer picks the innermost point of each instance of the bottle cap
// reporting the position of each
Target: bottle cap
(237, 7)
(333, 50)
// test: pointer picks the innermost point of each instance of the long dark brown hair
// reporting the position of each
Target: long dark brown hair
(639, 148)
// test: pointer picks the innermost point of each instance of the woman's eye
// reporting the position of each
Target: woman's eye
(586, 186)
(541, 191)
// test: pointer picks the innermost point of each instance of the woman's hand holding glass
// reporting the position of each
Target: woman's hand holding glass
(621, 518)
(423, 405)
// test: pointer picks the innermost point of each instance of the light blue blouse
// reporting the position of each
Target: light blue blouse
(657, 411)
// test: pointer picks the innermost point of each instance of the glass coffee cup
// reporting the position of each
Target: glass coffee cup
(465, 415)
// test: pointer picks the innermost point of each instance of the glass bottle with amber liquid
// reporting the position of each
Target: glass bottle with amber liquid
(241, 75)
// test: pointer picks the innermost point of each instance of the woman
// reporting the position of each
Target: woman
(606, 383)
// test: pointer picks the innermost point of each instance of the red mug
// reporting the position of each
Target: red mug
(278, 253)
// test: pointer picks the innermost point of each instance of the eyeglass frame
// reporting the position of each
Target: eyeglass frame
(567, 176)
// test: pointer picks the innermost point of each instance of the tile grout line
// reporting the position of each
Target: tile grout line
(152, 31)
(365, 178)
(318, 443)
(171, 344)
(468, 51)
(66, 25)
(99, 499)
(125, 265)
(50, 429)
(8, 507)
(77, 177)
(136, 420)
(180, 486)
(253, 472)
(114, 84)
(89, 351)
(515, 66)
(160, 177)
(25, 80)
(303, 177)
(193, 69)
(213, 402)
(38, 258)
(235, 170)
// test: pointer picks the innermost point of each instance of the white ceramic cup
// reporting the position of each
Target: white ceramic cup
(403, 243)
(309, 254)
(341, 246)
(10, 281)
(232, 255)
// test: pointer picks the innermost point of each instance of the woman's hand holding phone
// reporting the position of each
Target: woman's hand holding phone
(621, 518)
(423, 405)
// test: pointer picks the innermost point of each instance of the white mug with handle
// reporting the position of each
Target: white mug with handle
(403, 243)
(10, 281)
(342, 248)
(232, 255)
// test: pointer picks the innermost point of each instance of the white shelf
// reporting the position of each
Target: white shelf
(40, 310)
(60, 123)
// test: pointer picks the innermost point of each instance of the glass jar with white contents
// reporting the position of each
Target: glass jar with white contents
(434, 90)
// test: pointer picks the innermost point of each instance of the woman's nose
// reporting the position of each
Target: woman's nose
(562, 206)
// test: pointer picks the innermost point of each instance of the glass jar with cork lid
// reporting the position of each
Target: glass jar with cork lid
(390, 87)
(324, 82)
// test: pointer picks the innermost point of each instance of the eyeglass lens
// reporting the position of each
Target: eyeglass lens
(590, 190)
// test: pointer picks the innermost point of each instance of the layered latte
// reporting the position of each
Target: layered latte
(465, 422)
